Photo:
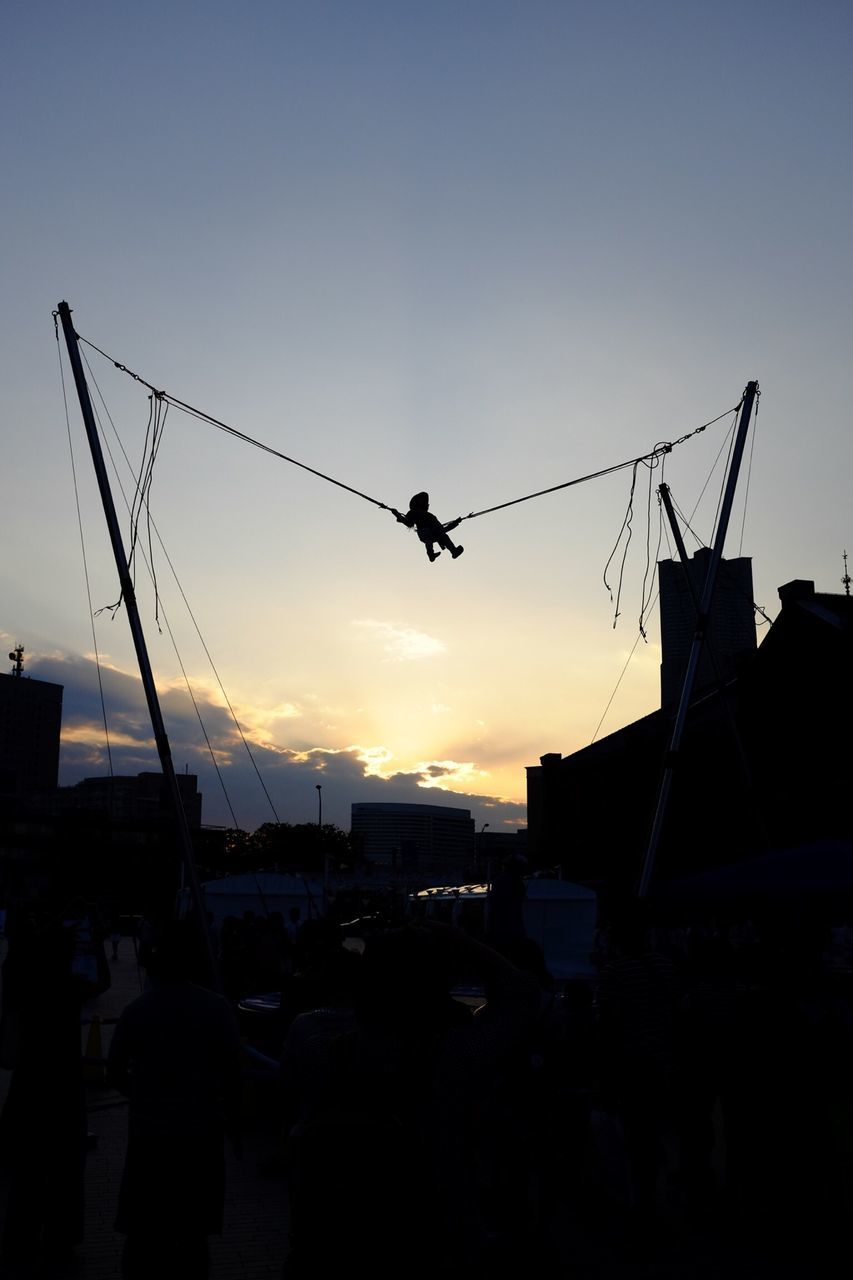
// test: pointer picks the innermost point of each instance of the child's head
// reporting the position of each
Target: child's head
(420, 502)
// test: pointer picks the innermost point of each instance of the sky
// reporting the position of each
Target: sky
(476, 249)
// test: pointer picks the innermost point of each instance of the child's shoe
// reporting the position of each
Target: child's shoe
(433, 555)
(457, 553)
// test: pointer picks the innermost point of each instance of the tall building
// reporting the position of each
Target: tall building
(731, 631)
(30, 722)
(409, 837)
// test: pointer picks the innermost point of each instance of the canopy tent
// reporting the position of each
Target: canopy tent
(561, 917)
(263, 893)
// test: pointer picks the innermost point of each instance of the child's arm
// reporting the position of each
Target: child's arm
(407, 519)
(452, 524)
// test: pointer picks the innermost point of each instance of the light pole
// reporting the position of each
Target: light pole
(320, 840)
(480, 849)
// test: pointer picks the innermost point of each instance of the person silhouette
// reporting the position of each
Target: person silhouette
(44, 1119)
(175, 1055)
(429, 528)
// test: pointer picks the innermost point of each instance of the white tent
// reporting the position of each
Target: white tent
(559, 915)
(263, 893)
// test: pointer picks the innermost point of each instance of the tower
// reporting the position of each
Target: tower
(731, 633)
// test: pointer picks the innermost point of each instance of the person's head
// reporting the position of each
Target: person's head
(420, 502)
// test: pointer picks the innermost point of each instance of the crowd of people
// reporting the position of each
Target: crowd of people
(705, 1072)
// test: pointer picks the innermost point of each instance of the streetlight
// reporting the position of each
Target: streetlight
(480, 848)
(325, 856)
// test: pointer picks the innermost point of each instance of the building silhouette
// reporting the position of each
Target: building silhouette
(763, 763)
(128, 798)
(30, 723)
(414, 837)
(731, 626)
(111, 837)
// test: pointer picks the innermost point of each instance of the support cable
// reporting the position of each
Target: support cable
(762, 613)
(645, 599)
(645, 611)
(150, 569)
(618, 682)
(722, 486)
(187, 603)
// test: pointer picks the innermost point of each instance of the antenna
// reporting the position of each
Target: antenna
(845, 580)
(17, 654)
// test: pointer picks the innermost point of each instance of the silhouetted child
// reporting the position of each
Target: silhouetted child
(429, 528)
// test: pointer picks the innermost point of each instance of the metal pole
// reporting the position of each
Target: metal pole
(743, 762)
(479, 850)
(129, 597)
(702, 617)
(325, 856)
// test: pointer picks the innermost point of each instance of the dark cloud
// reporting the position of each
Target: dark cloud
(289, 776)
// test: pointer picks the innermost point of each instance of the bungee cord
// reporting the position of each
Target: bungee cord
(231, 431)
(651, 457)
(628, 531)
(161, 401)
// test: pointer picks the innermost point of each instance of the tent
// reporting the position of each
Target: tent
(263, 892)
(561, 917)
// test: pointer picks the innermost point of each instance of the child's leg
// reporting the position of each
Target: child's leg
(431, 552)
(445, 542)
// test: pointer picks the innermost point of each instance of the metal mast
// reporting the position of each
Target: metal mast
(702, 618)
(129, 596)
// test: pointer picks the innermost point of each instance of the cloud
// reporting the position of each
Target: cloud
(402, 644)
(376, 760)
(464, 773)
(355, 773)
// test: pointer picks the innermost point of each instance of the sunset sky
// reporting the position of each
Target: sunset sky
(474, 248)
